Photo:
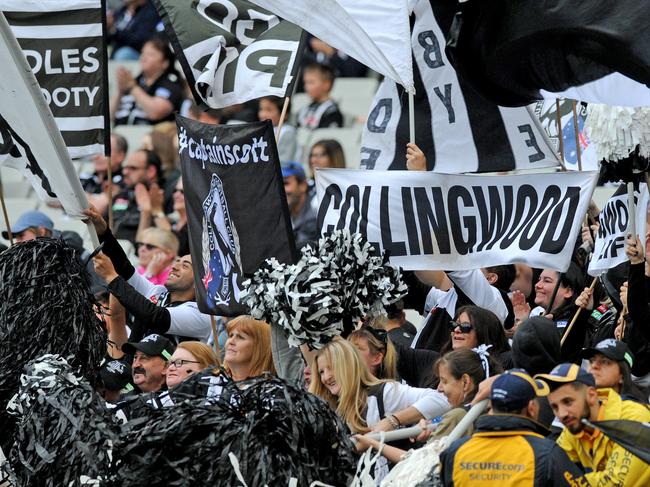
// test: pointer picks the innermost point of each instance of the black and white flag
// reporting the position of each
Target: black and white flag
(232, 51)
(236, 207)
(609, 247)
(457, 130)
(426, 220)
(29, 139)
(64, 44)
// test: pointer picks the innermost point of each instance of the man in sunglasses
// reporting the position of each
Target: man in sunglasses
(169, 310)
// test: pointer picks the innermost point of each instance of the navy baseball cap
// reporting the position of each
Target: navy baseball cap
(29, 219)
(293, 169)
(566, 373)
(153, 345)
(514, 389)
(610, 348)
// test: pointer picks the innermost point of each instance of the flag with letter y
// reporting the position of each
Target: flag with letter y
(236, 207)
(64, 44)
(232, 51)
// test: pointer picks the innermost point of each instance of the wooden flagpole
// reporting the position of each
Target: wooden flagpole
(283, 116)
(215, 335)
(558, 122)
(576, 131)
(6, 215)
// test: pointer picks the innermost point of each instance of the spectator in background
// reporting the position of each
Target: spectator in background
(377, 351)
(150, 357)
(303, 215)
(115, 376)
(141, 171)
(270, 108)
(130, 27)
(188, 358)
(95, 184)
(343, 65)
(155, 94)
(162, 144)
(326, 153)
(322, 112)
(157, 251)
(29, 226)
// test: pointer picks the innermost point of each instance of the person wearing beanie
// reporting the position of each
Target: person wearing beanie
(509, 446)
(574, 397)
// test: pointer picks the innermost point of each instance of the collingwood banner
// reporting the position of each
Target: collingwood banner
(236, 207)
(441, 221)
(232, 51)
(613, 220)
(29, 139)
(457, 130)
(63, 42)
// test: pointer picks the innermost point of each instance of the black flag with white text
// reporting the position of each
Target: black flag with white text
(236, 207)
(64, 44)
(232, 51)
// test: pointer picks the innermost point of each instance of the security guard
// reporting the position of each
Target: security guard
(573, 396)
(509, 447)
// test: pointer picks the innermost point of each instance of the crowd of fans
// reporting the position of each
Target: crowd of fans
(509, 333)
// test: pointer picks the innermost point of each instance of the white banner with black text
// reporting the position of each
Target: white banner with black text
(426, 220)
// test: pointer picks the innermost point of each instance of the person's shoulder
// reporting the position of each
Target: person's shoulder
(634, 410)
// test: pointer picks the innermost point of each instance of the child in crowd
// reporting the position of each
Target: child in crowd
(322, 112)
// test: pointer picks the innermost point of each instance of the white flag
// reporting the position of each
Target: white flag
(376, 34)
(426, 220)
(30, 139)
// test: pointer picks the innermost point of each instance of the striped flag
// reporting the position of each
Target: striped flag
(63, 42)
(456, 129)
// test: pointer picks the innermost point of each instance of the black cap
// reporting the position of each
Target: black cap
(116, 375)
(153, 345)
(610, 348)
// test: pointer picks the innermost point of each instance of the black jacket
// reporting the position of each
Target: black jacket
(508, 450)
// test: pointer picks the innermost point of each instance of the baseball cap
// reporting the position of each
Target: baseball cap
(293, 169)
(116, 375)
(610, 348)
(566, 373)
(514, 389)
(153, 345)
(29, 219)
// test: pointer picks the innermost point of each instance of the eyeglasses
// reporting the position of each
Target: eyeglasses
(148, 246)
(464, 327)
(179, 190)
(180, 362)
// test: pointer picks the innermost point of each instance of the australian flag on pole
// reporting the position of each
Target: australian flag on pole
(236, 207)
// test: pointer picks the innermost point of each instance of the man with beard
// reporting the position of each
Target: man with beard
(170, 309)
(573, 396)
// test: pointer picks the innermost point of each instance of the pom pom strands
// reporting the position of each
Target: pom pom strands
(64, 428)
(326, 291)
(277, 431)
(46, 306)
(617, 131)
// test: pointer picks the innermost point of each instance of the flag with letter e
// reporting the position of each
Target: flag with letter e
(236, 208)
(64, 44)
(232, 51)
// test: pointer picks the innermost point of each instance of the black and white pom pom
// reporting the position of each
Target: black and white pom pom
(329, 289)
(64, 430)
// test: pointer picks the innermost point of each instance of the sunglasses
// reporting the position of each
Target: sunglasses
(378, 333)
(464, 327)
(180, 362)
(179, 190)
(148, 246)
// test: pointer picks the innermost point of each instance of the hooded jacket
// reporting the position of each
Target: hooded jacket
(536, 346)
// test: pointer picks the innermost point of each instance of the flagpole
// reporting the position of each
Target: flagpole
(412, 117)
(283, 115)
(576, 130)
(558, 122)
(109, 176)
(6, 215)
(215, 335)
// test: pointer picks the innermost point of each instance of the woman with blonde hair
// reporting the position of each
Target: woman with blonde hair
(342, 378)
(188, 358)
(377, 351)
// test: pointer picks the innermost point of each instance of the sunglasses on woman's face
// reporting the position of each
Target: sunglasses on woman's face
(148, 246)
(464, 327)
